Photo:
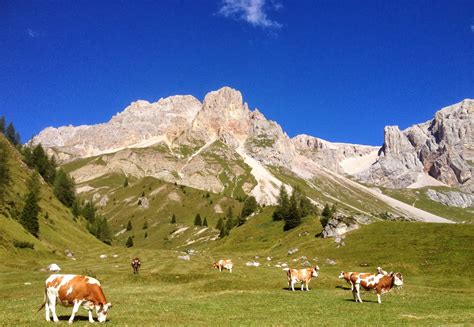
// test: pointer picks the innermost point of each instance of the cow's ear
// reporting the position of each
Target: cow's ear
(109, 305)
(391, 273)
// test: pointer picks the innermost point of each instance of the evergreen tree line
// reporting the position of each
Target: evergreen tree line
(224, 225)
(327, 214)
(96, 224)
(10, 133)
(291, 209)
(5, 177)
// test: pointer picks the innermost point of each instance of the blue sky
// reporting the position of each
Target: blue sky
(339, 70)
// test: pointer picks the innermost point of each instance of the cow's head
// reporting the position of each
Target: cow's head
(215, 265)
(341, 275)
(102, 310)
(397, 279)
(314, 271)
(380, 271)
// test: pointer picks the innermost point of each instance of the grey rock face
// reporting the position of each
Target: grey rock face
(451, 198)
(442, 148)
(329, 154)
(339, 225)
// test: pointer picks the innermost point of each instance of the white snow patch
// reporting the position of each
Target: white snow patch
(356, 165)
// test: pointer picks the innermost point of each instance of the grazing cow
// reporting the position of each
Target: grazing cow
(380, 283)
(136, 263)
(75, 290)
(302, 276)
(223, 264)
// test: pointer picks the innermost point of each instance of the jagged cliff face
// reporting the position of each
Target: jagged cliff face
(222, 146)
(139, 125)
(437, 152)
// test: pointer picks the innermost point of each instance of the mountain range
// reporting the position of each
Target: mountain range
(222, 146)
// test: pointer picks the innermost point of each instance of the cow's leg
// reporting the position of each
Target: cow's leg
(302, 286)
(75, 308)
(46, 308)
(292, 284)
(357, 288)
(91, 319)
(307, 286)
(52, 306)
(379, 300)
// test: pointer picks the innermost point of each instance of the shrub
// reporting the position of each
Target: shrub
(23, 245)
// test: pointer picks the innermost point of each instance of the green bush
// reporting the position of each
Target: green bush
(23, 245)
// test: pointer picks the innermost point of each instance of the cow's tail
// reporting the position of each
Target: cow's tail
(44, 303)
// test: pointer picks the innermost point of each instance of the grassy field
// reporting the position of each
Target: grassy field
(435, 259)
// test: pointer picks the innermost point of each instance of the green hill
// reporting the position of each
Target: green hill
(58, 230)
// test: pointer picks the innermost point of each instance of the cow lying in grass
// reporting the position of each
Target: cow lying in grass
(302, 276)
(224, 264)
(75, 290)
(380, 283)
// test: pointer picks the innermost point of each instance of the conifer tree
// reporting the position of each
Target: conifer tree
(250, 205)
(293, 218)
(145, 225)
(173, 219)
(125, 183)
(204, 223)
(12, 135)
(75, 209)
(5, 177)
(88, 211)
(64, 188)
(129, 226)
(283, 205)
(29, 214)
(129, 242)
(2, 124)
(197, 220)
(219, 224)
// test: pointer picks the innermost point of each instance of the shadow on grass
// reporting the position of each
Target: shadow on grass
(368, 301)
(343, 287)
(76, 318)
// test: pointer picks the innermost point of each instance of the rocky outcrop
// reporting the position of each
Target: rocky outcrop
(439, 151)
(330, 155)
(451, 198)
(339, 225)
(216, 144)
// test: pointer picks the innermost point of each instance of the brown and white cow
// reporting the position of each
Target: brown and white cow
(302, 276)
(224, 264)
(346, 275)
(75, 290)
(380, 283)
(136, 263)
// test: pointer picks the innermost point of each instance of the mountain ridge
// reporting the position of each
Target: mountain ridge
(183, 133)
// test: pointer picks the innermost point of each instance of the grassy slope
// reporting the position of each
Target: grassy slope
(165, 199)
(57, 232)
(434, 259)
(418, 198)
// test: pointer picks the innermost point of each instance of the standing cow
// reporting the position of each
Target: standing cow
(136, 263)
(302, 276)
(380, 283)
(75, 290)
(224, 264)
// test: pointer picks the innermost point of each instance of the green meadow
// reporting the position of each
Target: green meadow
(436, 261)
